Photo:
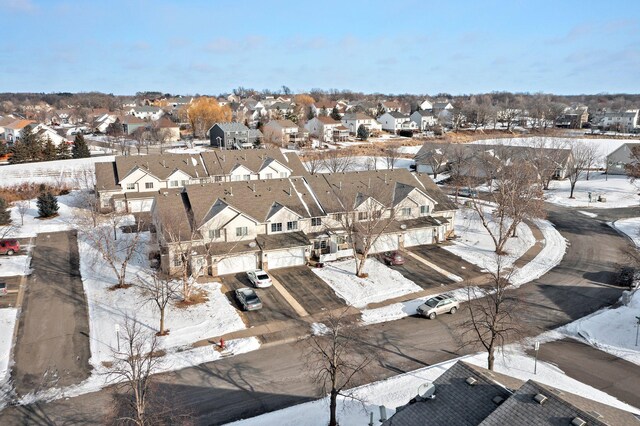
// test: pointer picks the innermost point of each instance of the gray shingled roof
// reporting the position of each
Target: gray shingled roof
(231, 127)
(161, 165)
(396, 114)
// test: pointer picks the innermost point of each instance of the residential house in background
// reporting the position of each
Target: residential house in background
(171, 129)
(327, 129)
(285, 132)
(424, 119)
(574, 117)
(151, 113)
(326, 108)
(619, 158)
(129, 183)
(131, 123)
(621, 121)
(230, 136)
(394, 122)
(13, 131)
(353, 120)
(440, 106)
(426, 105)
(389, 106)
(466, 394)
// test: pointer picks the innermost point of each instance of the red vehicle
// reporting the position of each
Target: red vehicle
(9, 247)
(393, 258)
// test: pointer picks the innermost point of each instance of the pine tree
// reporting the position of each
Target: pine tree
(5, 214)
(335, 114)
(32, 144)
(310, 114)
(47, 204)
(80, 148)
(49, 152)
(63, 152)
(363, 133)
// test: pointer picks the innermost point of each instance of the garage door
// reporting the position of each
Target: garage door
(418, 237)
(234, 264)
(385, 243)
(137, 206)
(286, 258)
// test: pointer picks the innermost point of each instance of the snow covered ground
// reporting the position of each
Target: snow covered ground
(363, 163)
(617, 190)
(409, 149)
(613, 330)
(8, 318)
(32, 225)
(51, 172)
(382, 283)
(398, 390)
(476, 246)
(11, 266)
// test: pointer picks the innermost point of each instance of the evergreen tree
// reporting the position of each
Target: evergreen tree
(80, 148)
(49, 151)
(310, 114)
(32, 144)
(19, 153)
(63, 152)
(335, 114)
(5, 214)
(363, 133)
(47, 204)
(3, 148)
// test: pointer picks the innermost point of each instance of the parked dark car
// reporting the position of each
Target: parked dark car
(9, 247)
(393, 258)
(248, 299)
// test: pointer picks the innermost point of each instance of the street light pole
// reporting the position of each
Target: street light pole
(637, 329)
(536, 346)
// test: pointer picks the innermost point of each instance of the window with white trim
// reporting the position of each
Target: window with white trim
(242, 231)
(316, 221)
(276, 227)
(173, 183)
(424, 209)
(406, 211)
(292, 226)
(214, 233)
(148, 185)
(131, 186)
(268, 176)
(363, 215)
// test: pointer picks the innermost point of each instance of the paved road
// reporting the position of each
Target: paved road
(52, 347)
(603, 371)
(276, 377)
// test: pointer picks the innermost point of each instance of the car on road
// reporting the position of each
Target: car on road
(393, 258)
(442, 304)
(248, 299)
(9, 247)
(259, 278)
(3, 289)
(468, 192)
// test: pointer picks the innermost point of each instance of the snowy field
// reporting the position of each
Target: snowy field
(363, 163)
(409, 149)
(11, 266)
(398, 390)
(617, 190)
(51, 172)
(382, 283)
(613, 330)
(8, 318)
(605, 146)
(476, 246)
(32, 225)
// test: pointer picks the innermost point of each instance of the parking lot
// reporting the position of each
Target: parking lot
(447, 261)
(308, 289)
(274, 305)
(420, 273)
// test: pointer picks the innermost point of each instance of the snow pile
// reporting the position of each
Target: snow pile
(11, 266)
(613, 330)
(588, 214)
(476, 246)
(8, 318)
(617, 190)
(409, 149)
(51, 172)
(398, 390)
(319, 329)
(555, 246)
(382, 283)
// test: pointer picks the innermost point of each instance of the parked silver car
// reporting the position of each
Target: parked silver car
(248, 298)
(442, 304)
(259, 278)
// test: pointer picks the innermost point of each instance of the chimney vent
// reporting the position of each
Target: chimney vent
(540, 398)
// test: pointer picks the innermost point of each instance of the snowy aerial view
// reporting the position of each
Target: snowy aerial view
(342, 214)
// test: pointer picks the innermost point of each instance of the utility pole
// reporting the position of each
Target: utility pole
(536, 346)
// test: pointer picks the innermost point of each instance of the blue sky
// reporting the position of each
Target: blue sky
(421, 46)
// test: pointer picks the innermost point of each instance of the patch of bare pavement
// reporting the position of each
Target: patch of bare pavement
(52, 344)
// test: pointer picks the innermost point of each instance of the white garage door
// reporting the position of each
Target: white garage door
(418, 237)
(137, 206)
(286, 258)
(385, 243)
(234, 264)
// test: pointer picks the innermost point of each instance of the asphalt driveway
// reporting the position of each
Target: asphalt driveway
(308, 289)
(421, 274)
(447, 261)
(274, 306)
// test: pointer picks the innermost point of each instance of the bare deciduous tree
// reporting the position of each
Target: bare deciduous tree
(134, 363)
(435, 156)
(548, 155)
(22, 207)
(633, 167)
(314, 162)
(159, 290)
(391, 155)
(494, 314)
(583, 156)
(336, 359)
(339, 161)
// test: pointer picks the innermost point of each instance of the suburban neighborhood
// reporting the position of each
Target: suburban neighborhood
(197, 228)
